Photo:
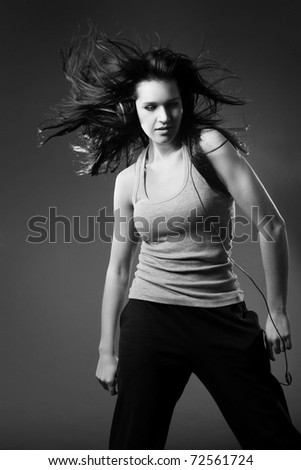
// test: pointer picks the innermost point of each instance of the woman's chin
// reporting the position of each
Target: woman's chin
(164, 139)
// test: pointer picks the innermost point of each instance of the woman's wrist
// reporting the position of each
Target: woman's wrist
(278, 311)
(105, 349)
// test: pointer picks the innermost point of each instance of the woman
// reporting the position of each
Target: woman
(185, 311)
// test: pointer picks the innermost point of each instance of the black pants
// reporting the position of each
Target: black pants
(161, 345)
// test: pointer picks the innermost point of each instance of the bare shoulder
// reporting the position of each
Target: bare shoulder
(238, 176)
(220, 151)
(228, 162)
(127, 174)
(212, 139)
(124, 183)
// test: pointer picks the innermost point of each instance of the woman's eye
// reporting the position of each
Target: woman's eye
(172, 105)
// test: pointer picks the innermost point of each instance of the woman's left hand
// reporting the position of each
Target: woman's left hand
(274, 343)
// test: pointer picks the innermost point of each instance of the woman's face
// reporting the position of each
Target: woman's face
(159, 108)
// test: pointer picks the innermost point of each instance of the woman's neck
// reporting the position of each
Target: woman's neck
(162, 152)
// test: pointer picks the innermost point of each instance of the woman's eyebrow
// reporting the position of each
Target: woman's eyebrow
(168, 101)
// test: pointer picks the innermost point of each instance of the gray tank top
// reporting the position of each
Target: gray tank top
(181, 259)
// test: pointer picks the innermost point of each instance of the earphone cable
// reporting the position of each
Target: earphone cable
(288, 376)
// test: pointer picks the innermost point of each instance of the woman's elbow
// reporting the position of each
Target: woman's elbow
(276, 227)
(278, 223)
(272, 228)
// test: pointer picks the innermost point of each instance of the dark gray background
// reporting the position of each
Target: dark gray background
(51, 292)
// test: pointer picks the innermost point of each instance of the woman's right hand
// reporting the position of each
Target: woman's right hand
(106, 372)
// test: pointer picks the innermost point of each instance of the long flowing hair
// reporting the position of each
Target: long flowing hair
(103, 75)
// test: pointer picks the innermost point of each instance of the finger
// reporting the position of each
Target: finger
(283, 345)
(113, 387)
(287, 342)
(103, 384)
(277, 346)
(270, 351)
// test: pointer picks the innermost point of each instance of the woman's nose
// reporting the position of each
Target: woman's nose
(163, 114)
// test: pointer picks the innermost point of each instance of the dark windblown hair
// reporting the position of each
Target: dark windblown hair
(103, 75)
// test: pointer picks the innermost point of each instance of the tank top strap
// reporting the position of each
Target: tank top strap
(137, 190)
(186, 155)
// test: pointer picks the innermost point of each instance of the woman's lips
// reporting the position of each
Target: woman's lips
(162, 129)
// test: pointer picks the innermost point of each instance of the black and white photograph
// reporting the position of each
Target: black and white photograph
(150, 230)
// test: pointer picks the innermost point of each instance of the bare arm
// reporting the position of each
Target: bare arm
(124, 243)
(249, 193)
